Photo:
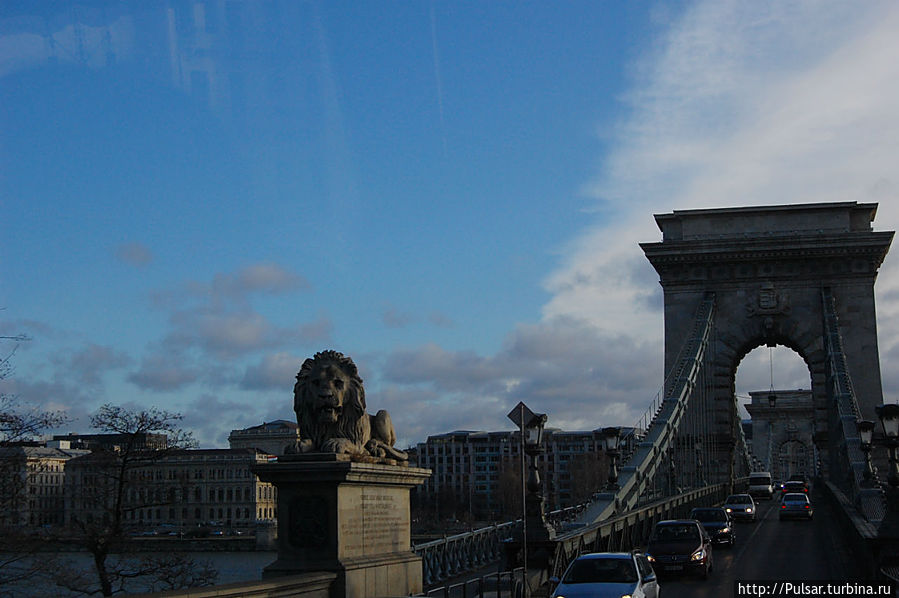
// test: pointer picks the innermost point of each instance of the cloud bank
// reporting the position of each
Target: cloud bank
(737, 104)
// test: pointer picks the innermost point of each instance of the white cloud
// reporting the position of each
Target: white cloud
(164, 372)
(568, 368)
(276, 371)
(742, 104)
(260, 278)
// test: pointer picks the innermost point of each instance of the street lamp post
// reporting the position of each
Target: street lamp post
(866, 433)
(889, 419)
(672, 473)
(611, 437)
(538, 529)
(536, 534)
(697, 445)
(888, 530)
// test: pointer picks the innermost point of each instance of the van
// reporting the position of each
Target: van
(760, 485)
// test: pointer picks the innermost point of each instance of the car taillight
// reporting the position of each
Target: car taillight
(807, 507)
(783, 506)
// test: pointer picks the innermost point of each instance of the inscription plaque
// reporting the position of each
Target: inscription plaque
(378, 524)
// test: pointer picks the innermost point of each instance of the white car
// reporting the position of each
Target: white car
(740, 506)
(608, 575)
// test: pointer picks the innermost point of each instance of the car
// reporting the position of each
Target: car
(607, 575)
(799, 477)
(796, 505)
(741, 507)
(680, 546)
(717, 522)
(793, 486)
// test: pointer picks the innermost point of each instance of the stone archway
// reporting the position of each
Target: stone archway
(783, 435)
(793, 457)
(767, 267)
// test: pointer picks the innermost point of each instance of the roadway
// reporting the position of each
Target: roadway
(774, 550)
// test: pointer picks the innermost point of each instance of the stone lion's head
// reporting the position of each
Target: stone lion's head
(329, 398)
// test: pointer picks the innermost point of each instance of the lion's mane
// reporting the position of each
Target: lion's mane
(352, 424)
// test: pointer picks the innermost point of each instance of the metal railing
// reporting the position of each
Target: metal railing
(631, 529)
(503, 584)
(455, 555)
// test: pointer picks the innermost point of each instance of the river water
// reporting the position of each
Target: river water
(231, 567)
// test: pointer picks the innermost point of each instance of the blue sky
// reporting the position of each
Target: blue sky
(196, 196)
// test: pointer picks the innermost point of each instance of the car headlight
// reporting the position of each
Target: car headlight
(625, 596)
(650, 558)
(698, 555)
(725, 530)
(729, 510)
(749, 509)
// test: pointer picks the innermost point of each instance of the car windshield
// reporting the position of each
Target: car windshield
(599, 570)
(739, 499)
(676, 533)
(709, 515)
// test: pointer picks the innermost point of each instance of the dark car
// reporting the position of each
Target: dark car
(794, 486)
(717, 523)
(680, 546)
(799, 477)
(796, 505)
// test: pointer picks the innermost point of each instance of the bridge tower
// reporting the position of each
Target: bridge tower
(767, 267)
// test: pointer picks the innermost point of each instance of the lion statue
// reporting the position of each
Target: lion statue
(329, 401)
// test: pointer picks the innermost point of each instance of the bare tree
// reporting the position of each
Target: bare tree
(109, 484)
(18, 543)
(588, 473)
(509, 487)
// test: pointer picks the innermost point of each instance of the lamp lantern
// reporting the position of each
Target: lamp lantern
(611, 437)
(533, 431)
(866, 432)
(889, 419)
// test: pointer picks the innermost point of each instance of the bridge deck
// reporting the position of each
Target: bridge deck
(775, 550)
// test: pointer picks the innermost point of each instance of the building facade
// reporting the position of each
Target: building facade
(183, 489)
(480, 471)
(270, 437)
(32, 484)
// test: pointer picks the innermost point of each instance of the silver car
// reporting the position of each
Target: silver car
(741, 507)
(608, 575)
(795, 505)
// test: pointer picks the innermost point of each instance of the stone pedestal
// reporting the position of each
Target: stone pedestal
(348, 518)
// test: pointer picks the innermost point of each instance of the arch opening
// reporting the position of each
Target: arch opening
(780, 436)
